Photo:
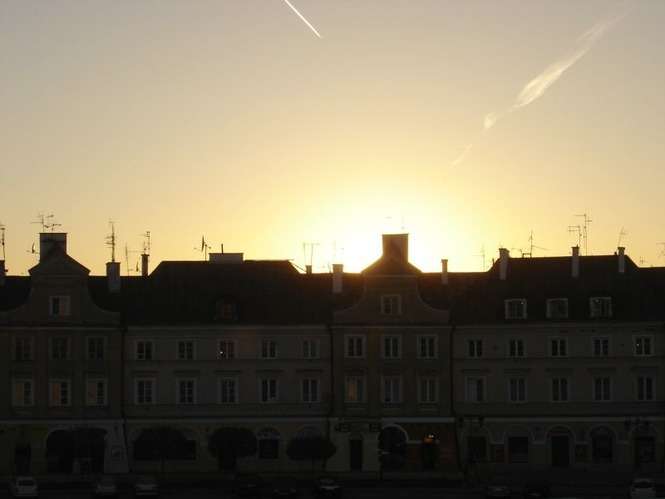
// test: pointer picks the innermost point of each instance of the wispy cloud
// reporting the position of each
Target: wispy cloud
(462, 156)
(537, 87)
(303, 18)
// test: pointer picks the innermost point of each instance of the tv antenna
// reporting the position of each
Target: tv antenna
(532, 246)
(47, 222)
(482, 254)
(622, 233)
(585, 231)
(204, 248)
(146, 242)
(2, 240)
(127, 253)
(578, 230)
(111, 241)
(311, 245)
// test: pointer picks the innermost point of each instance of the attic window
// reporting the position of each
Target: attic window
(515, 308)
(225, 311)
(391, 304)
(58, 306)
(600, 307)
(557, 308)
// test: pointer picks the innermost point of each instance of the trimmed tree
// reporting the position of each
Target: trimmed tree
(229, 444)
(311, 448)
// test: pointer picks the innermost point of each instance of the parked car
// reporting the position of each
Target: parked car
(536, 489)
(248, 485)
(105, 487)
(285, 487)
(642, 488)
(327, 487)
(146, 486)
(498, 490)
(24, 486)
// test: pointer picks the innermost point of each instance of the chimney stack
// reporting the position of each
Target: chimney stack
(308, 269)
(50, 240)
(621, 257)
(444, 271)
(3, 273)
(113, 276)
(145, 258)
(337, 278)
(575, 269)
(504, 256)
(396, 246)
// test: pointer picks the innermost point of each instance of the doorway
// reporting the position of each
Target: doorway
(560, 451)
(356, 454)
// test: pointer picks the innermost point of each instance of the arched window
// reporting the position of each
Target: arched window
(268, 443)
(602, 445)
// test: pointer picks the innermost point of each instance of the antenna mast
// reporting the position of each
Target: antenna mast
(622, 233)
(585, 231)
(482, 254)
(2, 240)
(146, 242)
(532, 247)
(110, 240)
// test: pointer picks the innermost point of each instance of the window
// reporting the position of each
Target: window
(355, 347)
(392, 389)
(474, 348)
(427, 347)
(186, 350)
(23, 393)
(59, 306)
(557, 308)
(560, 390)
(355, 389)
(144, 350)
(518, 449)
(310, 390)
(427, 390)
(643, 345)
(268, 349)
(227, 349)
(601, 446)
(96, 392)
(600, 307)
(310, 349)
(391, 347)
(515, 308)
(601, 347)
(96, 348)
(269, 390)
(558, 347)
(602, 389)
(645, 391)
(268, 439)
(22, 349)
(228, 391)
(186, 391)
(516, 348)
(391, 304)
(475, 389)
(60, 348)
(517, 389)
(60, 393)
(144, 391)
(225, 311)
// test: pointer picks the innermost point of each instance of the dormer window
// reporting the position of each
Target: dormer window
(557, 308)
(515, 308)
(391, 304)
(600, 307)
(58, 306)
(225, 311)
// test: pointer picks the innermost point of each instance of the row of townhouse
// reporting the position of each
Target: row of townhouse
(537, 362)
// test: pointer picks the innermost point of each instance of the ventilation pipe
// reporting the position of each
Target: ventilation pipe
(337, 278)
(113, 276)
(575, 268)
(444, 271)
(504, 256)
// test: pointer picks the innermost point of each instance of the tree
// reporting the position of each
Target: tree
(310, 447)
(160, 443)
(229, 444)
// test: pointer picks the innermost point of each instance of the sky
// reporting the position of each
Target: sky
(468, 124)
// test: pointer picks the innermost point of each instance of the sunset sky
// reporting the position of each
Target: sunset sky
(467, 123)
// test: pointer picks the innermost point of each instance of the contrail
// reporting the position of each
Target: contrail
(462, 155)
(303, 18)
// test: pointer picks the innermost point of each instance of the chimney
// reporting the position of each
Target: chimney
(338, 275)
(3, 272)
(621, 257)
(48, 241)
(444, 271)
(575, 270)
(504, 256)
(145, 258)
(396, 246)
(113, 276)
(308, 269)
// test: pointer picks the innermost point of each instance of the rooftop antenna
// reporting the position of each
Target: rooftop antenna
(585, 231)
(622, 233)
(146, 242)
(204, 248)
(46, 221)
(532, 247)
(578, 230)
(111, 241)
(2, 240)
(309, 262)
(482, 254)
(662, 251)
(127, 253)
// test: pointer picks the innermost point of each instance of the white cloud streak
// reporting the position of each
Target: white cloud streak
(462, 156)
(303, 18)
